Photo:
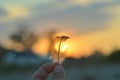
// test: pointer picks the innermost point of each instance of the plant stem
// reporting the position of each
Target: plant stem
(59, 50)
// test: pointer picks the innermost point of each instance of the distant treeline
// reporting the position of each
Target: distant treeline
(96, 58)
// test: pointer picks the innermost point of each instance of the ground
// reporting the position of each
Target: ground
(88, 72)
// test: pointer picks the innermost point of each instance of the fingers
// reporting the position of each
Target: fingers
(59, 73)
(49, 67)
(43, 72)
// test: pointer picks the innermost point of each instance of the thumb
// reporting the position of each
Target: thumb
(59, 73)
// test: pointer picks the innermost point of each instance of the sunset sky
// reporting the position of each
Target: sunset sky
(92, 24)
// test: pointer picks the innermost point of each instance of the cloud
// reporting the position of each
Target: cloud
(11, 12)
(51, 7)
(88, 18)
(27, 3)
(2, 12)
(113, 10)
(16, 11)
(114, 14)
(89, 2)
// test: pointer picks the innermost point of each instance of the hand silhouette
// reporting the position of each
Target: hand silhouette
(55, 68)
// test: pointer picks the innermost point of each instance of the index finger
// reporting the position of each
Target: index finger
(43, 72)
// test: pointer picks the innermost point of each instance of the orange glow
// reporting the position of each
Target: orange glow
(41, 47)
(64, 47)
(75, 47)
(16, 11)
(83, 45)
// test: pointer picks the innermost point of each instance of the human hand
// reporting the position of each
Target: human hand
(43, 72)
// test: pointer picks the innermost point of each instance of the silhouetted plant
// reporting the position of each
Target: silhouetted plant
(56, 54)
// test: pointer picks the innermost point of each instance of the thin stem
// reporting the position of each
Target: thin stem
(59, 50)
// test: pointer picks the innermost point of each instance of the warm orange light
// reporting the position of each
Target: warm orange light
(41, 47)
(63, 48)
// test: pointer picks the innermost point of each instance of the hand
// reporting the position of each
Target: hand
(43, 72)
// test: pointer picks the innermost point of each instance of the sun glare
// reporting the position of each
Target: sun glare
(63, 48)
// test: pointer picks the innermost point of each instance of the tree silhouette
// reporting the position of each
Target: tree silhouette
(115, 56)
(3, 52)
(24, 37)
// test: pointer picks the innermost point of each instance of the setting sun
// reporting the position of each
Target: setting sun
(63, 47)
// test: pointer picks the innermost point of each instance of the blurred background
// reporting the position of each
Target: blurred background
(27, 30)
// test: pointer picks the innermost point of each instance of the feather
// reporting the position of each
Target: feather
(56, 54)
